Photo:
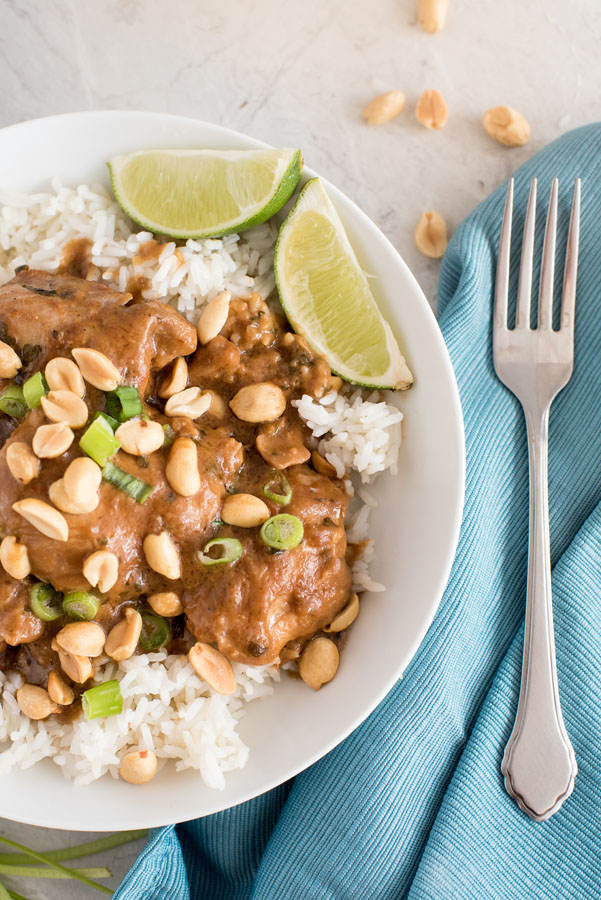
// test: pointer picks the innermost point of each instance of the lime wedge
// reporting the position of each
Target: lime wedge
(203, 193)
(327, 299)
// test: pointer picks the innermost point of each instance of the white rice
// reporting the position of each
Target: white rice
(355, 434)
(167, 707)
(35, 227)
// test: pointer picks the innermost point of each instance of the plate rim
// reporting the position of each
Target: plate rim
(458, 439)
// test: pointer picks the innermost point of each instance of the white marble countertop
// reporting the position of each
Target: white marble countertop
(299, 75)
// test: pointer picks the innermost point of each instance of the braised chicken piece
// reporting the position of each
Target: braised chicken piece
(211, 448)
(46, 315)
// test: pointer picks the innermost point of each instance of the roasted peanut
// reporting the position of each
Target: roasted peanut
(78, 668)
(101, 570)
(384, 107)
(50, 441)
(10, 362)
(191, 403)
(96, 368)
(81, 479)
(22, 462)
(162, 555)
(432, 14)
(58, 691)
(217, 406)
(65, 406)
(244, 510)
(166, 604)
(213, 317)
(182, 467)
(35, 702)
(431, 110)
(319, 662)
(62, 374)
(431, 235)
(321, 465)
(507, 126)
(175, 381)
(44, 517)
(62, 501)
(14, 558)
(138, 767)
(213, 667)
(346, 616)
(81, 639)
(140, 437)
(124, 636)
(261, 402)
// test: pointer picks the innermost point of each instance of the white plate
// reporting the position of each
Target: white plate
(416, 528)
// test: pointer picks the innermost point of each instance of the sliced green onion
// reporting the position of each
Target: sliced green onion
(124, 403)
(12, 401)
(156, 632)
(169, 435)
(99, 442)
(230, 548)
(109, 419)
(102, 700)
(282, 532)
(34, 389)
(129, 484)
(45, 602)
(282, 495)
(80, 605)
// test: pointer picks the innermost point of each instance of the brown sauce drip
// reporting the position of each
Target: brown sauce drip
(136, 286)
(149, 252)
(77, 257)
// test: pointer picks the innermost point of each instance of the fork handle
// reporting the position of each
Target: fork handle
(539, 763)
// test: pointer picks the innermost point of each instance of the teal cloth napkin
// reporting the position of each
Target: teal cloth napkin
(412, 804)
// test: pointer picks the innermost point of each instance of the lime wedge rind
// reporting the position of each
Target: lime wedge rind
(156, 209)
(329, 301)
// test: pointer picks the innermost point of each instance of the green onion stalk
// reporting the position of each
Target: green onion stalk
(99, 442)
(155, 633)
(282, 532)
(124, 403)
(12, 402)
(230, 549)
(16, 865)
(134, 487)
(102, 700)
(278, 490)
(34, 389)
(80, 605)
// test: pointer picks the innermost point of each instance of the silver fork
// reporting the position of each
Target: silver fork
(535, 364)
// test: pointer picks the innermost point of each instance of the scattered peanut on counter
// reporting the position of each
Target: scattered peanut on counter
(431, 235)
(432, 14)
(384, 107)
(507, 126)
(431, 110)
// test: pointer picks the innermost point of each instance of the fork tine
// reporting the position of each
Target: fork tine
(569, 277)
(547, 270)
(522, 316)
(502, 283)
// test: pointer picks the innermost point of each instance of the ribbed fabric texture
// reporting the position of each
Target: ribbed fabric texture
(412, 804)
